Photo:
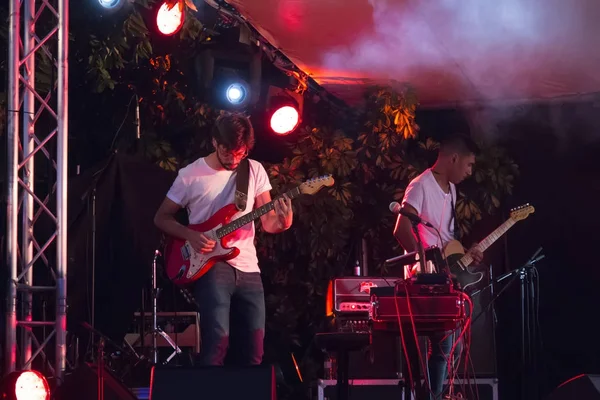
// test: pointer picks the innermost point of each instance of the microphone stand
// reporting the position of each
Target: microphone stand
(155, 293)
(156, 330)
(420, 249)
(529, 332)
(90, 196)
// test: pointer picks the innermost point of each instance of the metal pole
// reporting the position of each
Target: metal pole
(365, 257)
(28, 175)
(155, 292)
(12, 181)
(61, 192)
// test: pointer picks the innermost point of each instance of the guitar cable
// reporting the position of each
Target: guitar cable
(416, 338)
(452, 371)
(404, 348)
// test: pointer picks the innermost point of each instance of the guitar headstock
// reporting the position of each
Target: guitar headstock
(521, 212)
(313, 185)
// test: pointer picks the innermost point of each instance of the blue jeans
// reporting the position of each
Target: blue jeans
(438, 360)
(231, 303)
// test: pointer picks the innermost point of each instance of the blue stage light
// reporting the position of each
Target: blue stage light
(237, 93)
(110, 4)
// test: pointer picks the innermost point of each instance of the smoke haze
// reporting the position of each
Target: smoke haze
(492, 49)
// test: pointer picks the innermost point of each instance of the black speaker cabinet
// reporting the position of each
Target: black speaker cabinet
(223, 383)
(581, 387)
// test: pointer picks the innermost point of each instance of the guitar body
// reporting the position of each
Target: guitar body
(184, 265)
(465, 275)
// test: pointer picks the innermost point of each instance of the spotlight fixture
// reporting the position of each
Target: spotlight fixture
(284, 120)
(237, 93)
(25, 385)
(169, 21)
(228, 76)
(284, 110)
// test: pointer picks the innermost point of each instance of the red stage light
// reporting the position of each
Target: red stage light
(25, 385)
(169, 22)
(284, 120)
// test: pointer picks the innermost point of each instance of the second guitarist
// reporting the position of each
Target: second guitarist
(230, 295)
(432, 196)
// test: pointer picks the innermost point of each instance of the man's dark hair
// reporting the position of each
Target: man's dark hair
(459, 143)
(233, 131)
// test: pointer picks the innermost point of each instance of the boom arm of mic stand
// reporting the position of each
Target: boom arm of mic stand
(514, 273)
(500, 279)
(398, 259)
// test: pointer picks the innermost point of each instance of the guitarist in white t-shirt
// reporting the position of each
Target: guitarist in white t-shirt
(432, 196)
(230, 295)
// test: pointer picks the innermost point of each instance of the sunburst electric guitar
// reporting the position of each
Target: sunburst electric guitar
(184, 265)
(460, 262)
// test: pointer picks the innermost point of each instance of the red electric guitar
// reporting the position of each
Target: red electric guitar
(184, 265)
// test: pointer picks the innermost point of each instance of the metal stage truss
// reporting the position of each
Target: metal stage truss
(35, 48)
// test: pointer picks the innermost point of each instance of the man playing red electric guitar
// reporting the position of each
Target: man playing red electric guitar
(230, 295)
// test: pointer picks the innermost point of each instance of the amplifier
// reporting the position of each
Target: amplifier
(351, 295)
(428, 311)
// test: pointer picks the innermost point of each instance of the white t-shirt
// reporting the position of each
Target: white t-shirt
(203, 191)
(434, 206)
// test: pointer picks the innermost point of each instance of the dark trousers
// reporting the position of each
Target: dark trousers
(231, 304)
(441, 346)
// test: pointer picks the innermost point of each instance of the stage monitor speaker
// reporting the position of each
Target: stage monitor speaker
(580, 387)
(223, 383)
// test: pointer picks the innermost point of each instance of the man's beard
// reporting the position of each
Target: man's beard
(227, 166)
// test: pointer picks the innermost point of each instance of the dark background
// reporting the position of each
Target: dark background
(560, 177)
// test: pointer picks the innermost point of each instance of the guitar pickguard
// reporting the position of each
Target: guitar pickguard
(186, 251)
(199, 261)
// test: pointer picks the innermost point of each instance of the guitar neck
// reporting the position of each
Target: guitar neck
(489, 240)
(253, 215)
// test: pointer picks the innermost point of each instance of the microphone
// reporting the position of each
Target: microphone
(137, 118)
(396, 208)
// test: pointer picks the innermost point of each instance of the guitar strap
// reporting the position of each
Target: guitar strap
(241, 184)
(454, 220)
